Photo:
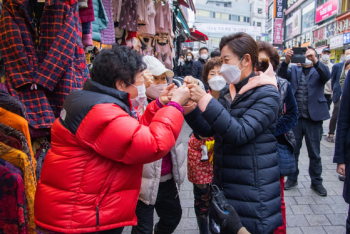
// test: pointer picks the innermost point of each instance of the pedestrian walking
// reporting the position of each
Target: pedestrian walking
(91, 177)
(188, 64)
(337, 78)
(243, 121)
(287, 119)
(180, 70)
(325, 59)
(200, 166)
(342, 144)
(198, 66)
(308, 82)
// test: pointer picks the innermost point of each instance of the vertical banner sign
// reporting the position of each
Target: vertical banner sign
(326, 10)
(279, 9)
(278, 31)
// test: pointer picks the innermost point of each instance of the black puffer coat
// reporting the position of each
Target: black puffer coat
(245, 153)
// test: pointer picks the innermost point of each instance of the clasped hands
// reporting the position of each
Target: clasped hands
(188, 93)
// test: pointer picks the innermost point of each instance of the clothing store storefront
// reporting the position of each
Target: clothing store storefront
(46, 51)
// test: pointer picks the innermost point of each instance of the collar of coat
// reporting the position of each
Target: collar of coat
(93, 86)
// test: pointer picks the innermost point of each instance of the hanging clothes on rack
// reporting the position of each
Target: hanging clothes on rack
(142, 12)
(117, 7)
(128, 16)
(149, 30)
(164, 49)
(101, 20)
(107, 35)
(163, 18)
(20, 159)
(144, 46)
(50, 60)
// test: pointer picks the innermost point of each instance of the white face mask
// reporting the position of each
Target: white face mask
(204, 56)
(325, 57)
(307, 62)
(231, 73)
(140, 100)
(181, 60)
(217, 83)
(347, 57)
(189, 57)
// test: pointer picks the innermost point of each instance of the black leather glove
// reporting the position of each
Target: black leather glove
(229, 222)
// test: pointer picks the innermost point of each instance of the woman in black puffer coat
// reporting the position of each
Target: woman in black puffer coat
(187, 67)
(243, 121)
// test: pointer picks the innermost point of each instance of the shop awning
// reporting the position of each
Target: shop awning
(182, 20)
(188, 4)
(197, 36)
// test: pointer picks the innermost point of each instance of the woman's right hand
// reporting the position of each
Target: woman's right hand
(181, 95)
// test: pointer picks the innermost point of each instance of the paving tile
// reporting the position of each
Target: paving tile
(307, 192)
(304, 200)
(322, 200)
(187, 202)
(191, 213)
(337, 219)
(316, 220)
(289, 210)
(294, 230)
(296, 221)
(338, 199)
(334, 229)
(321, 209)
(301, 209)
(338, 190)
(186, 224)
(290, 201)
(313, 230)
(340, 208)
(292, 193)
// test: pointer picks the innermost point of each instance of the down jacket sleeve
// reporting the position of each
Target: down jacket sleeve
(199, 125)
(239, 131)
(119, 137)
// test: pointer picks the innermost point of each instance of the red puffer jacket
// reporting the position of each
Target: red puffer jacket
(91, 177)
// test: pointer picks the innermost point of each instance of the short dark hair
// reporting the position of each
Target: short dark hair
(216, 61)
(119, 62)
(271, 52)
(241, 44)
(347, 63)
(203, 48)
(182, 55)
(215, 53)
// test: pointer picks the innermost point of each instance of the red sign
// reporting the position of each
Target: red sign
(318, 35)
(278, 31)
(326, 10)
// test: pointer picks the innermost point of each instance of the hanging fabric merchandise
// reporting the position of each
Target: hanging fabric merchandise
(164, 50)
(142, 12)
(144, 46)
(128, 16)
(51, 60)
(101, 20)
(108, 34)
(82, 4)
(149, 30)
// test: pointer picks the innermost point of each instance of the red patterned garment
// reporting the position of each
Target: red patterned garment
(13, 208)
(198, 172)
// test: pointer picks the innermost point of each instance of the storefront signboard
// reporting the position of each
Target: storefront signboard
(278, 9)
(277, 39)
(292, 4)
(296, 41)
(336, 42)
(227, 28)
(342, 26)
(296, 28)
(326, 10)
(346, 38)
(319, 34)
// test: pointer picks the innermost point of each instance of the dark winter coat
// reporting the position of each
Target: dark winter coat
(288, 118)
(342, 141)
(318, 77)
(187, 68)
(335, 77)
(197, 69)
(245, 153)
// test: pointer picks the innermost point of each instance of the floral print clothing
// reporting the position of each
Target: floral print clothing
(128, 16)
(198, 172)
(12, 203)
(20, 159)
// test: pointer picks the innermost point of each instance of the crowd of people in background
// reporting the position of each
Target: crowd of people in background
(249, 112)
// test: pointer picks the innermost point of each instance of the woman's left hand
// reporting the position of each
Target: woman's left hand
(197, 93)
(148, 78)
(190, 80)
(166, 93)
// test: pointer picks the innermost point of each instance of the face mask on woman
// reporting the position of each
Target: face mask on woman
(231, 73)
(189, 57)
(181, 60)
(140, 100)
(155, 90)
(217, 83)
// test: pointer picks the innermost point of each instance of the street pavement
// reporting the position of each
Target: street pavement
(307, 213)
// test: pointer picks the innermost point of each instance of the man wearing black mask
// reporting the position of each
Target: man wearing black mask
(308, 82)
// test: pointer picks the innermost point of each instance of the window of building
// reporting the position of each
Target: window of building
(253, 23)
(203, 13)
(248, 19)
(308, 17)
(239, 18)
(217, 15)
(233, 17)
(345, 6)
(217, 4)
(225, 16)
(225, 5)
(259, 11)
(258, 38)
(258, 24)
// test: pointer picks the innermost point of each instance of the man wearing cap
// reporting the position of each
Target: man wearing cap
(325, 59)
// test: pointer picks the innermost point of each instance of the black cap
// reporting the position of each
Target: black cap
(326, 50)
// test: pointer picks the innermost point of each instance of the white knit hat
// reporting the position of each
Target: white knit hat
(156, 67)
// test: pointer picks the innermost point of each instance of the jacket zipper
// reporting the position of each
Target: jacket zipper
(97, 216)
